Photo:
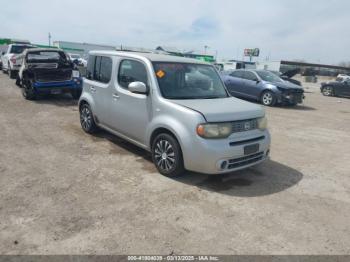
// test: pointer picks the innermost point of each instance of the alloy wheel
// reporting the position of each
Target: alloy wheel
(327, 91)
(267, 98)
(86, 118)
(164, 155)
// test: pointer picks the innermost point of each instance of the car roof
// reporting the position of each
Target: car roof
(150, 56)
(43, 49)
(20, 44)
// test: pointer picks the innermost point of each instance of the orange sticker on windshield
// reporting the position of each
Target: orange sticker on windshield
(160, 74)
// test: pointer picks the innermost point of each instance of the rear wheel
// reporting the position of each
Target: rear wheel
(268, 98)
(12, 74)
(18, 81)
(167, 155)
(87, 121)
(28, 91)
(327, 91)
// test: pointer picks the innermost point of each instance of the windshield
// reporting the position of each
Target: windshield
(45, 56)
(269, 77)
(18, 49)
(188, 81)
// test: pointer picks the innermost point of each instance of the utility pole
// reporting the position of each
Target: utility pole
(49, 39)
(205, 49)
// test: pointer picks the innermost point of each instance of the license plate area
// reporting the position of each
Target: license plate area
(251, 149)
(56, 91)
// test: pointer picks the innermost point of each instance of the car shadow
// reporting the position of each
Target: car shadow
(64, 100)
(297, 107)
(282, 106)
(267, 178)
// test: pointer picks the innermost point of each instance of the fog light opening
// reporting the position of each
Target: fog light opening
(223, 165)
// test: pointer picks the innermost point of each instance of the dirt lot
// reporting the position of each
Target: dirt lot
(66, 192)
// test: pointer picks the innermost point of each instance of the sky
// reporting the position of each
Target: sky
(309, 30)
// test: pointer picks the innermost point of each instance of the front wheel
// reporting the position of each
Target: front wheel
(268, 98)
(167, 155)
(327, 91)
(87, 121)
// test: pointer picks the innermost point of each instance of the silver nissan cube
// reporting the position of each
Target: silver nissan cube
(176, 108)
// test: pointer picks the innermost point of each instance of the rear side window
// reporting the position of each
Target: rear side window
(238, 74)
(90, 67)
(99, 69)
(250, 76)
(131, 71)
(105, 69)
(18, 49)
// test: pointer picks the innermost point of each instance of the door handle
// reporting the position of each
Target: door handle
(92, 89)
(115, 96)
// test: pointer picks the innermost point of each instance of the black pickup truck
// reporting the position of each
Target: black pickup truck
(47, 71)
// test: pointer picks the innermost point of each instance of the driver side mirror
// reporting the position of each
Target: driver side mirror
(138, 88)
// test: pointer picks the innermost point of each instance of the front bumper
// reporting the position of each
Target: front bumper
(64, 86)
(290, 98)
(208, 156)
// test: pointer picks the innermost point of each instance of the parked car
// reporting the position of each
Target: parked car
(342, 77)
(287, 76)
(47, 71)
(176, 108)
(76, 58)
(8, 58)
(336, 88)
(263, 86)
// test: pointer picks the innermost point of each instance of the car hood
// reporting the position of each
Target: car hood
(286, 85)
(334, 83)
(291, 73)
(223, 109)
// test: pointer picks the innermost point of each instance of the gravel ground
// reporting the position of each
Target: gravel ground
(66, 192)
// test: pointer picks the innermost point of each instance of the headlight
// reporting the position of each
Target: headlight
(262, 123)
(220, 130)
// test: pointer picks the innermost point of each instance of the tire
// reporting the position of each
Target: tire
(167, 155)
(12, 74)
(76, 94)
(18, 81)
(328, 91)
(268, 98)
(28, 91)
(87, 121)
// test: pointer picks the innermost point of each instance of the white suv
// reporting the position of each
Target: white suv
(8, 58)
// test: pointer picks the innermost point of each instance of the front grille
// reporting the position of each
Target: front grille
(244, 125)
(246, 160)
(53, 75)
(294, 91)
